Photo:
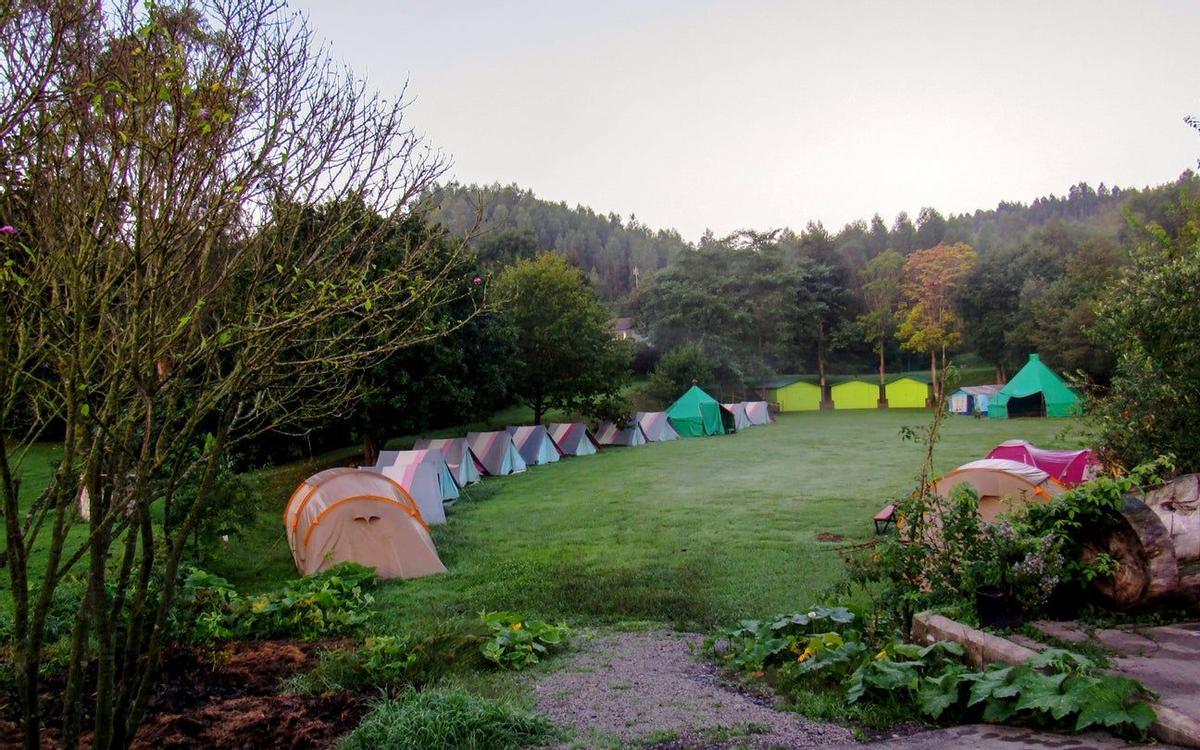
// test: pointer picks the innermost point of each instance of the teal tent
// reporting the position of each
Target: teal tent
(1035, 391)
(696, 414)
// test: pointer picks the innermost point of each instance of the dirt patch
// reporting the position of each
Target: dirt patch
(829, 536)
(649, 688)
(230, 698)
(270, 721)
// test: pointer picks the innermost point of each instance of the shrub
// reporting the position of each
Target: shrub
(332, 603)
(822, 650)
(446, 718)
(389, 662)
(517, 643)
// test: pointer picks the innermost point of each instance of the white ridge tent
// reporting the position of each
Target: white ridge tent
(349, 515)
(425, 475)
(497, 453)
(740, 420)
(758, 412)
(535, 444)
(610, 434)
(656, 426)
(573, 438)
(463, 463)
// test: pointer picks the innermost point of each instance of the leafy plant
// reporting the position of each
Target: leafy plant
(517, 643)
(1057, 688)
(822, 632)
(335, 602)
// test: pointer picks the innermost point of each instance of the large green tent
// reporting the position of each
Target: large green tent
(697, 414)
(1035, 391)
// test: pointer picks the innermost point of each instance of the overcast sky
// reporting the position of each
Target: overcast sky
(724, 115)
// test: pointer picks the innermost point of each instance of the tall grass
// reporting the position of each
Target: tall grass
(446, 718)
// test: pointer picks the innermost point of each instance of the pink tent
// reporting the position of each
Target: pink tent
(1068, 467)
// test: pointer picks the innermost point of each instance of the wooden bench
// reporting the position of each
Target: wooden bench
(885, 518)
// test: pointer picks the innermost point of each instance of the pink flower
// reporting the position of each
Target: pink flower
(8, 229)
(477, 281)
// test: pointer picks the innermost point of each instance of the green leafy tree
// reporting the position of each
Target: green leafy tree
(677, 371)
(932, 279)
(882, 293)
(566, 356)
(1151, 320)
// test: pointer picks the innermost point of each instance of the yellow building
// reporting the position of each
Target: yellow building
(908, 392)
(793, 394)
(855, 394)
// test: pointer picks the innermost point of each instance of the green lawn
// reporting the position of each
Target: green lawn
(694, 532)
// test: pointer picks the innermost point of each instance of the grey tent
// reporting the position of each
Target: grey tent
(656, 426)
(573, 438)
(497, 453)
(610, 434)
(740, 419)
(463, 463)
(535, 444)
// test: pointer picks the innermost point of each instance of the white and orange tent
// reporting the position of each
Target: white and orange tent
(1001, 485)
(350, 515)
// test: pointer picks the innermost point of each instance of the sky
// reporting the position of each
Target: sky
(726, 115)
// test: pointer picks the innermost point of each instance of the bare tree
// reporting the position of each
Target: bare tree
(203, 205)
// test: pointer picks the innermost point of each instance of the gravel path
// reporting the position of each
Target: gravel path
(648, 688)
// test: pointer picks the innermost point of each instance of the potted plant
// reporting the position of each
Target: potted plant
(1017, 574)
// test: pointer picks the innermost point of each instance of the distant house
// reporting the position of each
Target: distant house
(623, 329)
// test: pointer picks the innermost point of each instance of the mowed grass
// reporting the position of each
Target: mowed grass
(692, 533)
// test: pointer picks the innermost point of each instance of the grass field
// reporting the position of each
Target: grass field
(694, 533)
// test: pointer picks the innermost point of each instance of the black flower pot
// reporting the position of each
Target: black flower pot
(997, 609)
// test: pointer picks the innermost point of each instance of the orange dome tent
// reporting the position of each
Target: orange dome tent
(350, 515)
(1001, 485)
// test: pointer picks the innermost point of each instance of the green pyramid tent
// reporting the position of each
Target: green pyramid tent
(696, 414)
(1036, 391)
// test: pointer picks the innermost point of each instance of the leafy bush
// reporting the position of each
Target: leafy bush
(446, 718)
(332, 603)
(516, 642)
(805, 654)
(388, 662)
(1057, 689)
(820, 636)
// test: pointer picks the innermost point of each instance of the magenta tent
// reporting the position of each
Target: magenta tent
(1068, 467)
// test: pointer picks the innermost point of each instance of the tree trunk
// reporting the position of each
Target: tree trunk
(933, 374)
(883, 402)
(370, 445)
(539, 410)
(1156, 546)
(826, 401)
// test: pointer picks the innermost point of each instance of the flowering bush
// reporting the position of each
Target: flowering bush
(517, 643)
(1018, 563)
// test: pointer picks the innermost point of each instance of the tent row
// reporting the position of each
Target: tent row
(380, 515)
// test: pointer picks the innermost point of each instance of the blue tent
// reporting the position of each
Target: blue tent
(973, 398)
